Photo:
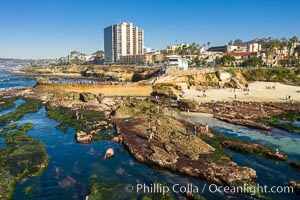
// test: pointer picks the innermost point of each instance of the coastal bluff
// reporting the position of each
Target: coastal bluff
(105, 90)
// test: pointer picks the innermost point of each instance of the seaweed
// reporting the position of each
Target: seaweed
(23, 157)
(31, 106)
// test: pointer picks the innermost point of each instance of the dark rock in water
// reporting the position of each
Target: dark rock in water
(295, 185)
(295, 165)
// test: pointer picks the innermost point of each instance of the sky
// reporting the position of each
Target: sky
(52, 28)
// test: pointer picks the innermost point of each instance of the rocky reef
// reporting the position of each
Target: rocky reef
(88, 124)
(6, 103)
(173, 145)
(252, 148)
(30, 106)
(286, 120)
(21, 157)
(255, 115)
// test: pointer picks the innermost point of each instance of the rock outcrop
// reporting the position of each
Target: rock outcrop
(174, 146)
(109, 153)
(253, 149)
(83, 138)
(295, 185)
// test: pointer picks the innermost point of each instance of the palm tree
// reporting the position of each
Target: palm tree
(267, 50)
(208, 44)
(273, 49)
(291, 44)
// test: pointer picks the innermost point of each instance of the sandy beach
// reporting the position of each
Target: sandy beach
(258, 92)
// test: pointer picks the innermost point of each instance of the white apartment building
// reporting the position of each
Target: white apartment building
(122, 40)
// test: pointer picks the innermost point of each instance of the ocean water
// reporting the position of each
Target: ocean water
(71, 166)
(11, 81)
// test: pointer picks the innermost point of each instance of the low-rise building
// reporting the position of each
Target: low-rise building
(176, 62)
(240, 57)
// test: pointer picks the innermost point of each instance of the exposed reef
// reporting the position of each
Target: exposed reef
(22, 157)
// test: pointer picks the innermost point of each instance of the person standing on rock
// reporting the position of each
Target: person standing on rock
(187, 132)
(206, 128)
(149, 121)
(77, 115)
(195, 130)
(149, 132)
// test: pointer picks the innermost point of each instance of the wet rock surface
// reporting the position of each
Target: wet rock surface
(254, 149)
(251, 114)
(174, 146)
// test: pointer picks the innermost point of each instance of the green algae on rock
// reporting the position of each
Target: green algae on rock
(102, 191)
(30, 106)
(252, 148)
(23, 157)
(290, 116)
(6, 103)
(86, 118)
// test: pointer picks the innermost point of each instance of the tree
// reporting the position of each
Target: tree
(273, 47)
(230, 43)
(238, 42)
(99, 53)
(227, 59)
(253, 62)
(193, 49)
(208, 44)
(291, 44)
(268, 53)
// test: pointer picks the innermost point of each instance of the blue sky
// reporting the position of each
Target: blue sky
(52, 28)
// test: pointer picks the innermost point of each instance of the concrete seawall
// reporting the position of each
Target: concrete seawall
(106, 90)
